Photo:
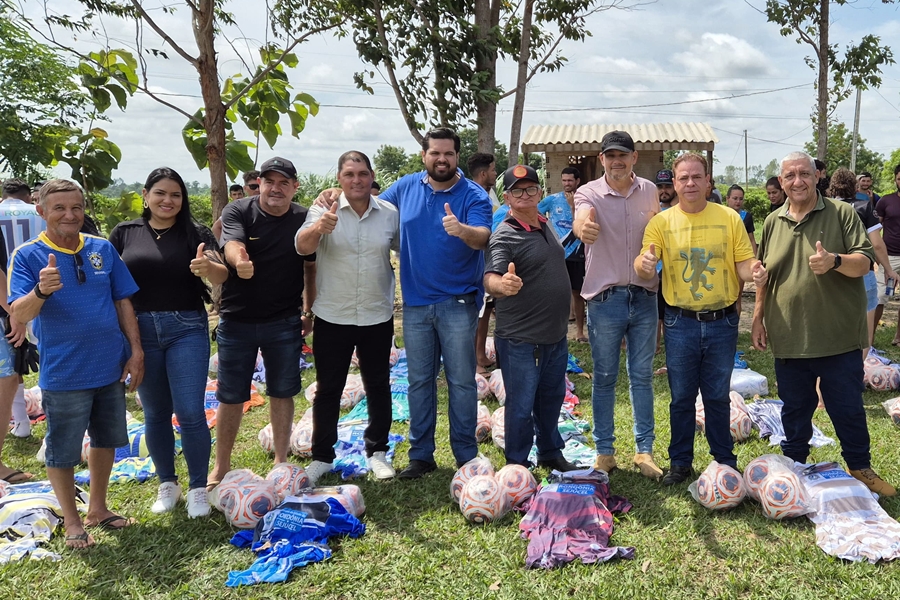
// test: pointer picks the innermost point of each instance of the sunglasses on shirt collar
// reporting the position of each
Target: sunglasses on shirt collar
(79, 272)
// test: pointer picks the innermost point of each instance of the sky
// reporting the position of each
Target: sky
(668, 51)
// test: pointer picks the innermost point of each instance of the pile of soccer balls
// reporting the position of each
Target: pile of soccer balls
(486, 496)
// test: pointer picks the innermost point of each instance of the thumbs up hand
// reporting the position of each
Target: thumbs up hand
(511, 282)
(244, 266)
(48, 279)
(822, 261)
(328, 221)
(200, 264)
(451, 224)
(760, 275)
(649, 260)
(590, 230)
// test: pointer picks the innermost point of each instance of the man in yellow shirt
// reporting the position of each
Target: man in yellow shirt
(706, 254)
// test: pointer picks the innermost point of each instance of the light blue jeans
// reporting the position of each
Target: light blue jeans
(628, 312)
(429, 332)
(176, 360)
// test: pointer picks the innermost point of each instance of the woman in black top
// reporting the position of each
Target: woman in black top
(169, 254)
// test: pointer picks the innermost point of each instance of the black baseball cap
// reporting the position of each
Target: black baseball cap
(616, 140)
(519, 173)
(664, 176)
(279, 165)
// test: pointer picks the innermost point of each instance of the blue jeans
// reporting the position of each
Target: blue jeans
(700, 356)
(842, 389)
(176, 359)
(429, 332)
(630, 312)
(535, 390)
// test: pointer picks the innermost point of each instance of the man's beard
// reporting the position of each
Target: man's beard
(432, 173)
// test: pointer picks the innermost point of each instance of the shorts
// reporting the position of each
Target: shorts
(101, 411)
(575, 269)
(871, 290)
(7, 358)
(281, 344)
(895, 264)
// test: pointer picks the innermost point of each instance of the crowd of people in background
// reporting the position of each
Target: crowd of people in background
(631, 262)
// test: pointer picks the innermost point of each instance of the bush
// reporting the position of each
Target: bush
(757, 202)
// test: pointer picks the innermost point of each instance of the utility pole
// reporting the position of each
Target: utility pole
(855, 131)
(746, 168)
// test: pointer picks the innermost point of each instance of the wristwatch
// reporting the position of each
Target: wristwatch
(39, 293)
(308, 314)
(837, 261)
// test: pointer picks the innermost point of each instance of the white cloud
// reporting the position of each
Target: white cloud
(723, 55)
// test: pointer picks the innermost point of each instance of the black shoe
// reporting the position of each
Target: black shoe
(559, 464)
(677, 475)
(416, 469)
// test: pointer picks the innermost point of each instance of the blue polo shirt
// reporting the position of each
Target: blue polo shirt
(435, 266)
(81, 344)
(557, 209)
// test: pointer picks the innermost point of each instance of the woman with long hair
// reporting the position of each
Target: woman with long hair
(169, 254)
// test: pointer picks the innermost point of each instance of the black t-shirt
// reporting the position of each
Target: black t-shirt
(276, 289)
(866, 213)
(162, 267)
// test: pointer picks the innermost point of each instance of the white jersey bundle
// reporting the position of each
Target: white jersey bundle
(850, 524)
(749, 383)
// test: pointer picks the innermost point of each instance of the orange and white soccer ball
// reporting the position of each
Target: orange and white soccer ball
(483, 499)
(33, 402)
(755, 474)
(518, 483)
(288, 479)
(884, 377)
(483, 423)
(498, 427)
(782, 496)
(246, 504)
(489, 350)
(741, 425)
(353, 391)
(475, 467)
(85, 447)
(266, 440)
(301, 440)
(720, 487)
(482, 387)
(497, 387)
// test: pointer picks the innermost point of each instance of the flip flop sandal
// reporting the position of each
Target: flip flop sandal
(107, 523)
(17, 477)
(77, 537)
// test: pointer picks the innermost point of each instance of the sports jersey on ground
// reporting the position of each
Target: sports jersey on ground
(81, 343)
(19, 222)
(699, 252)
(434, 265)
(276, 289)
(557, 209)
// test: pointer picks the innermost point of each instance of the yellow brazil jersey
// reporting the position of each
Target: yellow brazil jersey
(698, 253)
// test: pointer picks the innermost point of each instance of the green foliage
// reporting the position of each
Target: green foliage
(759, 174)
(92, 157)
(840, 144)
(311, 185)
(110, 211)
(468, 146)
(669, 157)
(757, 202)
(886, 183)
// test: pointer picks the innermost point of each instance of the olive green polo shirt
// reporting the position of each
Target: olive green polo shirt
(809, 315)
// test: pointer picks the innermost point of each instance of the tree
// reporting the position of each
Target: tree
(259, 98)
(732, 175)
(837, 74)
(469, 141)
(840, 143)
(886, 182)
(389, 160)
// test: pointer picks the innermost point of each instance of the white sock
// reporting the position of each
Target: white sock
(19, 413)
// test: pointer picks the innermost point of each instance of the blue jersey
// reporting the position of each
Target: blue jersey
(558, 211)
(19, 222)
(81, 344)
(499, 216)
(435, 266)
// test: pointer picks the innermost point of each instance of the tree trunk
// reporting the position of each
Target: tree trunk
(487, 17)
(822, 108)
(515, 132)
(214, 117)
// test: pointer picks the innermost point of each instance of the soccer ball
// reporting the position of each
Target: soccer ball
(353, 392)
(781, 496)
(720, 487)
(33, 402)
(288, 479)
(755, 474)
(475, 467)
(497, 387)
(884, 377)
(518, 482)
(700, 415)
(483, 424)
(232, 480)
(489, 350)
(246, 504)
(741, 425)
(482, 386)
(301, 439)
(85, 447)
(498, 427)
(483, 499)
(265, 439)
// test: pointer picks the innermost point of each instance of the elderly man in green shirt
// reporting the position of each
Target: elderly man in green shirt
(812, 311)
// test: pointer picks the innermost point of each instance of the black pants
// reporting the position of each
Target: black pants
(332, 348)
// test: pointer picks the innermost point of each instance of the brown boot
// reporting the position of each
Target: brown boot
(874, 482)
(648, 468)
(605, 462)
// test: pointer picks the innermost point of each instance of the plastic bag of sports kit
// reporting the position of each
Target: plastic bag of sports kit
(892, 407)
(749, 383)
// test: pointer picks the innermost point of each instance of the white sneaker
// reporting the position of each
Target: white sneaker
(380, 467)
(166, 498)
(197, 503)
(316, 469)
(22, 429)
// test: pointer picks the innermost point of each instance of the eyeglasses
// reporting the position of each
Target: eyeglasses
(253, 186)
(792, 175)
(531, 190)
(79, 272)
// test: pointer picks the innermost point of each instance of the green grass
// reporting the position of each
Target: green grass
(418, 545)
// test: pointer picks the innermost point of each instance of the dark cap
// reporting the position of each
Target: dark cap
(519, 173)
(279, 165)
(616, 140)
(664, 176)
